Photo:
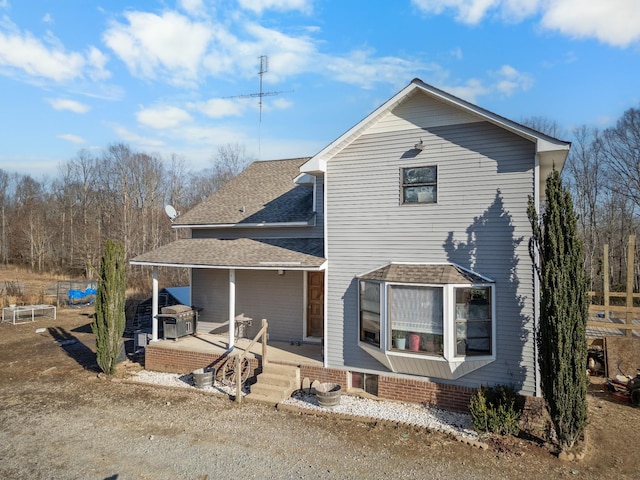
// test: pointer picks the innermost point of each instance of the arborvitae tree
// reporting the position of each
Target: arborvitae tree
(561, 334)
(109, 320)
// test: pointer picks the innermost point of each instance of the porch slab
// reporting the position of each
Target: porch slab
(278, 352)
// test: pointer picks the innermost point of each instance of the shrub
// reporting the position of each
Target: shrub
(493, 410)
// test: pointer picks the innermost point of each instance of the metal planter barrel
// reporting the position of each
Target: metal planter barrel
(328, 394)
(203, 377)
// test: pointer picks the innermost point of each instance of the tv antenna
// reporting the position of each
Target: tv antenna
(264, 68)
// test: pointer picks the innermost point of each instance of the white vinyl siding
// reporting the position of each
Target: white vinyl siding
(259, 294)
(480, 222)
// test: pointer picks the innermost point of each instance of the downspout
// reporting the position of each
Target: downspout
(154, 305)
(232, 307)
(536, 279)
(325, 327)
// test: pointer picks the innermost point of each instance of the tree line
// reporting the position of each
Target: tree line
(603, 175)
(61, 224)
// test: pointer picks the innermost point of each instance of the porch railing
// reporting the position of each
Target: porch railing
(239, 358)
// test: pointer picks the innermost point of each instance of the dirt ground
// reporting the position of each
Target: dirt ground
(37, 372)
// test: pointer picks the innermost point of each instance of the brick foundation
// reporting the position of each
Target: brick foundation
(168, 360)
(389, 388)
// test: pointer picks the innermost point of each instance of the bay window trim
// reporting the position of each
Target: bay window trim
(449, 353)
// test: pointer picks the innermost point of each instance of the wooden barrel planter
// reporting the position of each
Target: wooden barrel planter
(203, 377)
(328, 394)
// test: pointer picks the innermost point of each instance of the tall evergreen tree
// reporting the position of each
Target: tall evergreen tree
(561, 334)
(109, 320)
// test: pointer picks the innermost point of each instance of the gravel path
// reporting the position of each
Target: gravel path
(104, 430)
(455, 423)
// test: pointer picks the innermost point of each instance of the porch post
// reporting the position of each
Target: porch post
(154, 305)
(232, 306)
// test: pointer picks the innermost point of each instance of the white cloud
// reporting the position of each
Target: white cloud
(182, 51)
(170, 45)
(48, 18)
(288, 55)
(281, 103)
(71, 105)
(505, 81)
(509, 80)
(470, 90)
(615, 22)
(96, 61)
(220, 107)
(23, 52)
(362, 68)
(137, 140)
(258, 6)
(193, 7)
(71, 138)
(468, 11)
(163, 116)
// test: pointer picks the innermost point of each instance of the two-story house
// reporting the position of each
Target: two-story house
(400, 250)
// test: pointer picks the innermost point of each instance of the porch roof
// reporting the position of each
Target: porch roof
(261, 254)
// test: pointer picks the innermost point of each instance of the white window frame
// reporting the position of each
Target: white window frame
(449, 322)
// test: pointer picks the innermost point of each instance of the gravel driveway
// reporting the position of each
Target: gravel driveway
(59, 420)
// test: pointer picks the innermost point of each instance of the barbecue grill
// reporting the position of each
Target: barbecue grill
(178, 321)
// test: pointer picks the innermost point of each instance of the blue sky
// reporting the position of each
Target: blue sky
(165, 77)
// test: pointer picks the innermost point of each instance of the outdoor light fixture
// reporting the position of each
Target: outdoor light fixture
(419, 145)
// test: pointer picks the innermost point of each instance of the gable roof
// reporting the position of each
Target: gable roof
(263, 193)
(550, 151)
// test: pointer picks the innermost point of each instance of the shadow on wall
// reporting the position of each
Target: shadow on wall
(488, 238)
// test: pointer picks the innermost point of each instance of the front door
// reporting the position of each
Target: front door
(315, 306)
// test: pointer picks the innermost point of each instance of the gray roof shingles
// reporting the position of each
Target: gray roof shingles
(287, 253)
(438, 274)
(262, 193)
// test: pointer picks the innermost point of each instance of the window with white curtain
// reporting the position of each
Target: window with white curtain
(416, 313)
(447, 320)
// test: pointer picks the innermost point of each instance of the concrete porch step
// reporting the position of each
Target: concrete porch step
(277, 380)
(288, 371)
(275, 384)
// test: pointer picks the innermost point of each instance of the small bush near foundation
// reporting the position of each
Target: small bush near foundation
(493, 410)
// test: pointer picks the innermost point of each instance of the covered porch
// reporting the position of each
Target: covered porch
(281, 280)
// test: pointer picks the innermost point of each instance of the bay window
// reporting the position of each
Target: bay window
(419, 318)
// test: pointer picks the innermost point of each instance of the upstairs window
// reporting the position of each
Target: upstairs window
(420, 184)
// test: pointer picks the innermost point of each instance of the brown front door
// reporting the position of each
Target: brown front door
(315, 307)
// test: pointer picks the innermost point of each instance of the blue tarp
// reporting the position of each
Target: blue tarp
(82, 295)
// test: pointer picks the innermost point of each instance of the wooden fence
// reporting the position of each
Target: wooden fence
(604, 308)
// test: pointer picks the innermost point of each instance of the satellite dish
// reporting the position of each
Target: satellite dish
(171, 212)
